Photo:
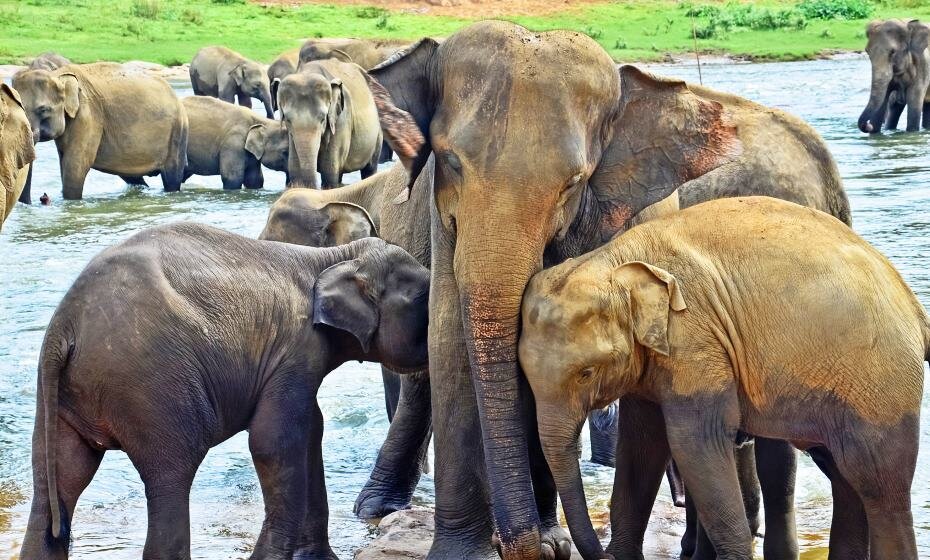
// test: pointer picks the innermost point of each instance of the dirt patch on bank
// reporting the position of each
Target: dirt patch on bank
(474, 9)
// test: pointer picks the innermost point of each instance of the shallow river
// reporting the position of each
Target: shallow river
(42, 250)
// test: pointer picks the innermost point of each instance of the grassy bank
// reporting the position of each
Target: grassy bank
(170, 31)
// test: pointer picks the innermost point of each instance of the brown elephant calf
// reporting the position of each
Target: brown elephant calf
(185, 335)
(743, 316)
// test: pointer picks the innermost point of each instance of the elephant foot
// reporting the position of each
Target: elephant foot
(374, 503)
(555, 543)
(454, 549)
(603, 459)
(315, 552)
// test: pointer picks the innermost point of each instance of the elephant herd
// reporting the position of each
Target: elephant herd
(560, 240)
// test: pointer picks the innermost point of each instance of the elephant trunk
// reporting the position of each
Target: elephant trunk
(302, 157)
(492, 272)
(873, 116)
(265, 96)
(558, 434)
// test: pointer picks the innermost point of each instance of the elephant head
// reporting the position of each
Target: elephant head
(585, 326)
(269, 142)
(530, 157)
(311, 104)
(900, 68)
(296, 218)
(50, 99)
(252, 80)
(321, 50)
(381, 299)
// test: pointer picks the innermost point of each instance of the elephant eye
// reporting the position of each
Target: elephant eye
(586, 375)
(453, 161)
(573, 181)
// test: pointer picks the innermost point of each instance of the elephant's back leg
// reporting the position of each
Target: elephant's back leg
(172, 172)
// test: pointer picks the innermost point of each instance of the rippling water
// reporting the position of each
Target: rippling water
(42, 250)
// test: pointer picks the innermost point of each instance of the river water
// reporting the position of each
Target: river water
(43, 248)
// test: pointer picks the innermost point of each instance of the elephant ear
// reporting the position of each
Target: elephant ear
(13, 94)
(341, 300)
(72, 93)
(339, 54)
(275, 83)
(654, 293)
(403, 91)
(255, 141)
(918, 36)
(238, 73)
(337, 106)
(348, 222)
(664, 135)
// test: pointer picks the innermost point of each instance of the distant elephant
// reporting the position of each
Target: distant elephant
(48, 61)
(900, 75)
(690, 318)
(106, 117)
(332, 121)
(283, 66)
(227, 75)
(367, 53)
(17, 151)
(232, 142)
(231, 334)
(337, 216)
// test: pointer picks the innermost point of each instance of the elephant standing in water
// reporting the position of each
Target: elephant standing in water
(227, 75)
(17, 151)
(900, 56)
(332, 123)
(106, 117)
(231, 334)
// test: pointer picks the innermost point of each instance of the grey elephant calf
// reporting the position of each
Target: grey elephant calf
(232, 142)
(227, 75)
(106, 117)
(333, 124)
(207, 334)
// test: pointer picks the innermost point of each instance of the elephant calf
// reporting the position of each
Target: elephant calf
(207, 334)
(724, 321)
(106, 117)
(226, 74)
(232, 142)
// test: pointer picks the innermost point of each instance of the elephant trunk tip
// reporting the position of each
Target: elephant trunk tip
(868, 127)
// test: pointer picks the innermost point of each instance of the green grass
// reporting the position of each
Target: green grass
(170, 31)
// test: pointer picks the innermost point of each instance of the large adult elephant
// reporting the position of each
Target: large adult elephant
(225, 74)
(532, 166)
(900, 75)
(16, 149)
(332, 123)
(107, 117)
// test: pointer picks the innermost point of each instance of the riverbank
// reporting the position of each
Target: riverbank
(169, 32)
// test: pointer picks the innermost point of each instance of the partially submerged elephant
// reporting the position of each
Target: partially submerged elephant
(225, 74)
(332, 122)
(367, 53)
(106, 117)
(900, 56)
(17, 151)
(232, 142)
(691, 317)
(233, 334)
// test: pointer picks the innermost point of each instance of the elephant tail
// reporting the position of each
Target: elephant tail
(55, 354)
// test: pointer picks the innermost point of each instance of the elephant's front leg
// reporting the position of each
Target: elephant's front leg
(926, 119)
(314, 531)
(701, 430)
(279, 440)
(75, 159)
(642, 453)
(244, 100)
(896, 105)
(253, 177)
(463, 522)
(777, 465)
(915, 106)
(330, 171)
(397, 469)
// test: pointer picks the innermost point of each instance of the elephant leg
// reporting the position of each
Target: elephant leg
(391, 382)
(330, 174)
(281, 461)
(463, 521)
(140, 181)
(777, 465)
(371, 167)
(232, 169)
(26, 196)
(244, 100)
(167, 492)
(880, 468)
(849, 531)
(749, 484)
(75, 163)
(642, 453)
(172, 173)
(314, 531)
(695, 545)
(894, 113)
(701, 432)
(77, 463)
(397, 470)
(675, 484)
(386, 154)
(926, 118)
(915, 106)
(602, 427)
(253, 178)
